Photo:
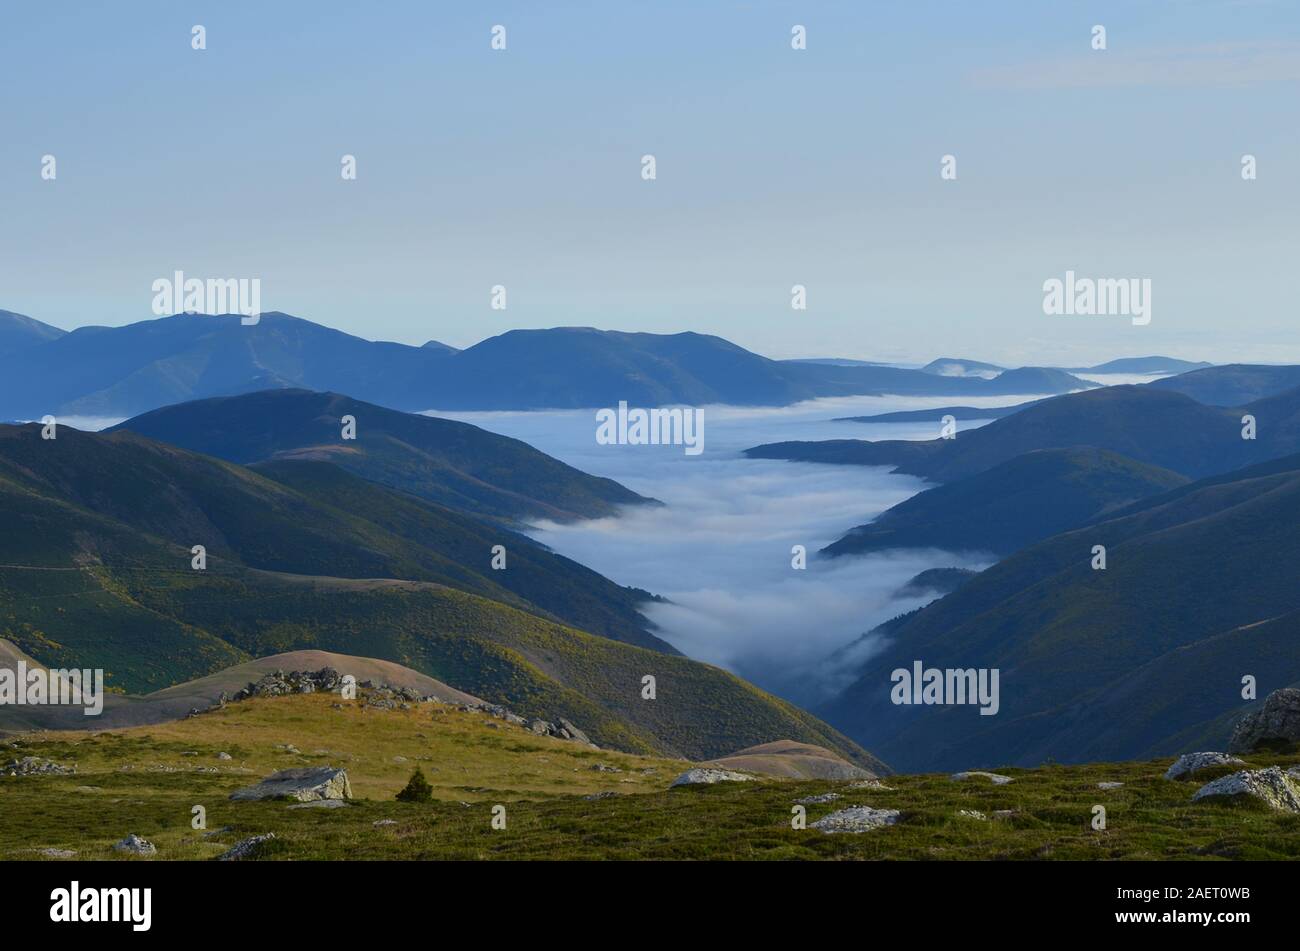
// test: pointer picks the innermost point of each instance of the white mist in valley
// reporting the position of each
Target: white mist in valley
(719, 549)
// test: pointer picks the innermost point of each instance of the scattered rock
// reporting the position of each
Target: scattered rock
(246, 848)
(320, 804)
(607, 794)
(135, 845)
(816, 800)
(996, 779)
(1190, 763)
(1109, 785)
(857, 819)
(605, 768)
(56, 853)
(1276, 724)
(303, 784)
(871, 784)
(1271, 786)
(384, 822)
(568, 731)
(224, 756)
(216, 832)
(35, 766)
(707, 776)
(972, 814)
(1004, 813)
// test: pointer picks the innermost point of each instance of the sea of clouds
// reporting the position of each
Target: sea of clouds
(719, 549)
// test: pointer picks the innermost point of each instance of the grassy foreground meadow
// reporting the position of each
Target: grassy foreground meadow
(147, 780)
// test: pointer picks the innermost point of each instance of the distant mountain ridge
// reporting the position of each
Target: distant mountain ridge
(128, 370)
(1144, 423)
(19, 332)
(1233, 384)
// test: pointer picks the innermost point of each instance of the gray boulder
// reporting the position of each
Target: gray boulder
(997, 779)
(304, 784)
(1190, 763)
(571, 732)
(1271, 786)
(707, 776)
(135, 845)
(1275, 724)
(35, 766)
(245, 848)
(856, 819)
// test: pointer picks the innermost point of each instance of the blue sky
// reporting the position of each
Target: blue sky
(775, 167)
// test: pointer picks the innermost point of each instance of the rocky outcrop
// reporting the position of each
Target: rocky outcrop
(791, 759)
(35, 766)
(383, 696)
(1270, 786)
(707, 777)
(307, 784)
(135, 845)
(1190, 763)
(856, 819)
(246, 848)
(1275, 725)
(817, 800)
(996, 779)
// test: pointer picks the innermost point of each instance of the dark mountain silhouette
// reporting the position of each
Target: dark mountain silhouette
(1144, 365)
(1198, 590)
(1234, 384)
(1014, 504)
(106, 371)
(442, 460)
(958, 366)
(1149, 425)
(19, 333)
(297, 517)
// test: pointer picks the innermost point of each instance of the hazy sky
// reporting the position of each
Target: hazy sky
(775, 167)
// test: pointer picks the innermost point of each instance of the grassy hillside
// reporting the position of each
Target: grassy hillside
(300, 517)
(1014, 504)
(140, 781)
(1190, 576)
(113, 517)
(440, 460)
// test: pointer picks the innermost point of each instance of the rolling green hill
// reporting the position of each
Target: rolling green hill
(78, 495)
(95, 571)
(1199, 590)
(442, 460)
(1014, 504)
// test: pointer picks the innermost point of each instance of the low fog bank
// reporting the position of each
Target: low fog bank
(720, 547)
